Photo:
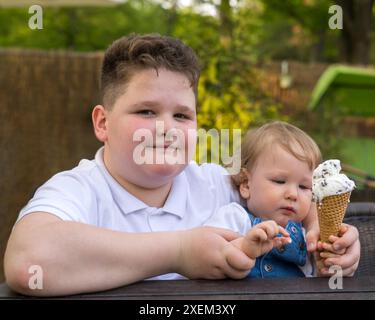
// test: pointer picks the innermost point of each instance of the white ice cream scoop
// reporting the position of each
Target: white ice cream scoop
(328, 181)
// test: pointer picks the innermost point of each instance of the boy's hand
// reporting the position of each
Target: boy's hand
(207, 253)
(262, 238)
(349, 240)
(341, 251)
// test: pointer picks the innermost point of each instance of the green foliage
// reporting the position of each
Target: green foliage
(230, 104)
(298, 29)
(81, 29)
(199, 32)
(228, 94)
(229, 98)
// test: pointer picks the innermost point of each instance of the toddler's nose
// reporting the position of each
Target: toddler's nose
(291, 193)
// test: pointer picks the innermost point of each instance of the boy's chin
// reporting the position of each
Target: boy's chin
(161, 172)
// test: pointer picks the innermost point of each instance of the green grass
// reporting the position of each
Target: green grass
(360, 153)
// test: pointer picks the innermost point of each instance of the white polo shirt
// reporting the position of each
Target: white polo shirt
(89, 194)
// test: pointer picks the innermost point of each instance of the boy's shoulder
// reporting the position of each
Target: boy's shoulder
(85, 172)
(206, 170)
(232, 216)
(71, 194)
(85, 181)
(210, 175)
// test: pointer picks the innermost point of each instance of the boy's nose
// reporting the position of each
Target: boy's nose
(163, 125)
(169, 124)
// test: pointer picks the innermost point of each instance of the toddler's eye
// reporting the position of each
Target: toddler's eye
(304, 187)
(278, 181)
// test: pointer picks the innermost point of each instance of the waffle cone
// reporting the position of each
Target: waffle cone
(331, 212)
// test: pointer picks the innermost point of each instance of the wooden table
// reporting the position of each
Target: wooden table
(246, 289)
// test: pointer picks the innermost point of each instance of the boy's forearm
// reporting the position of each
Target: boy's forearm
(79, 258)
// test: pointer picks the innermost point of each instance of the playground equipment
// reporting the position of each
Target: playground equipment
(348, 91)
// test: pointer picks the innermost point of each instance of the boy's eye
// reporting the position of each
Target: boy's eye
(146, 112)
(304, 187)
(181, 116)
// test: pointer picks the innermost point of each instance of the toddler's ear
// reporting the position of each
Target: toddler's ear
(245, 185)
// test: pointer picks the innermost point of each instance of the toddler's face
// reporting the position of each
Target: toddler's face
(279, 187)
(147, 131)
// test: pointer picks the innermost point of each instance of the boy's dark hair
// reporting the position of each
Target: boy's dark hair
(128, 55)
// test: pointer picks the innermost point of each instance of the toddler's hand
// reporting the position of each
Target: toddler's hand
(262, 238)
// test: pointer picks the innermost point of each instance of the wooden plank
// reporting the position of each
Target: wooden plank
(301, 288)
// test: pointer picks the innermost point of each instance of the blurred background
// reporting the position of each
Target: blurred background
(262, 60)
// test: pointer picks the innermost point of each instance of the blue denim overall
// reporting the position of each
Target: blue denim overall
(282, 262)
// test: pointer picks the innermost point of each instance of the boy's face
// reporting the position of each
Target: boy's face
(150, 133)
(279, 187)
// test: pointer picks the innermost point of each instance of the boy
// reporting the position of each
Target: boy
(89, 228)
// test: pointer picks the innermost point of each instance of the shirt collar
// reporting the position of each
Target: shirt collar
(175, 203)
(177, 197)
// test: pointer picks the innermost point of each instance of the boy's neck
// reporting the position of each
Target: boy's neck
(152, 197)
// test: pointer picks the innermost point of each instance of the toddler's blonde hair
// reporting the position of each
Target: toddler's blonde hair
(277, 133)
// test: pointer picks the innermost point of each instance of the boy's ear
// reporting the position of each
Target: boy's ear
(245, 185)
(99, 120)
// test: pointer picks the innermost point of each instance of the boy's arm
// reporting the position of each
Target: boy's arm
(76, 257)
(311, 225)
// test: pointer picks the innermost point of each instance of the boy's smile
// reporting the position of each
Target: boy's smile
(278, 187)
(155, 113)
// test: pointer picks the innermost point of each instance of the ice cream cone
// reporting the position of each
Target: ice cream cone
(331, 212)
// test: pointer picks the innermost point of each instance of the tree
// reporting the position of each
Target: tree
(224, 11)
(226, 22)
(312, 16)
(356, 34)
